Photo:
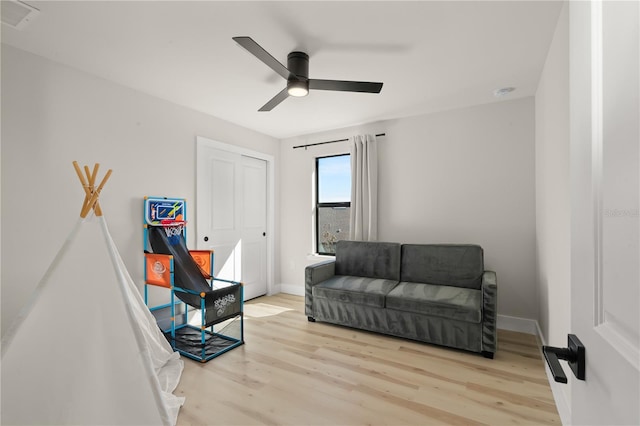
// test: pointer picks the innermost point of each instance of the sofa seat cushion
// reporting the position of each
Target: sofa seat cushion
(463, 304)
(356, 290)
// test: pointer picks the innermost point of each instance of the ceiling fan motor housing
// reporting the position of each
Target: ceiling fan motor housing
(298, 64)
(298, 81)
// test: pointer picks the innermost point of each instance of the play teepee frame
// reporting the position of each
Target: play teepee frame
(66, 360)
(91, 192)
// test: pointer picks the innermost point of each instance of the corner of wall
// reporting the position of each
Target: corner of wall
(552, 208)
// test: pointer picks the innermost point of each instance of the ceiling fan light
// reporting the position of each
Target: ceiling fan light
(298, 88)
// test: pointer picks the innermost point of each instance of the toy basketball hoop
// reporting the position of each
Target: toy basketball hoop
(174, 229)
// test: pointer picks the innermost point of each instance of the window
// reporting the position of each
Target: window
(333, 201)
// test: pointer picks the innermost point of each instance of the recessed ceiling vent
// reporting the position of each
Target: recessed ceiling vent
(17, 14)
(499, 93)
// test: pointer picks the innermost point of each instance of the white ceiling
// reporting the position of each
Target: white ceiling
(431, 55)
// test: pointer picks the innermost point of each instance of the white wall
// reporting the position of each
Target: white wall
(552, 189)
(52, 115)
(553, 211)
(460, 176)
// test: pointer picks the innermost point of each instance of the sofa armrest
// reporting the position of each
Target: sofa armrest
(489, 312)
(315, 274)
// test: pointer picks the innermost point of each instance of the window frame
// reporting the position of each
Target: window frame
(319, 205)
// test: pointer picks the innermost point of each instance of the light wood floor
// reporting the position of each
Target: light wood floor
(293, 372)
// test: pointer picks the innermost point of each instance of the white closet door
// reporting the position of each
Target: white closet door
(231, 216)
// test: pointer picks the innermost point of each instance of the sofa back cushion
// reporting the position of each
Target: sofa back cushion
(368, 259)
(459, 265)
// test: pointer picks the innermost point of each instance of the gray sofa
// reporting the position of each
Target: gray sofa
(435, 293)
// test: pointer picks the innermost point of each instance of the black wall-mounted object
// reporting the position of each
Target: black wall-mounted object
(574, 354)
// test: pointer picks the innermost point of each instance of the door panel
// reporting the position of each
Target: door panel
(618, 302)
(605, 187)
(223, 184)
(255, 203)
(252, 251)
(224, 261)
(217, 206)
(232, 216)
(254, 225)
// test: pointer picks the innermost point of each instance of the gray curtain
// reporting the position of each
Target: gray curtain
(364, 188)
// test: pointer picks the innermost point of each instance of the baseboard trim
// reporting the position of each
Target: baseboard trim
(522, 325)
(541, 338)
(296, 290)
(559, 396)
(558, 390)
(273, 289)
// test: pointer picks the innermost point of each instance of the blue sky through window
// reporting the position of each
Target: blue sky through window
(334, 184)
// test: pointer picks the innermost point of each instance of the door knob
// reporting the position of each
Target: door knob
(206, 239)
(574, 353)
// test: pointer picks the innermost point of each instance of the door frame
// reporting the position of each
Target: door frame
(204, 142)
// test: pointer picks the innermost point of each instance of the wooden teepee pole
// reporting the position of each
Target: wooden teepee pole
(84, 184)
(91, 193)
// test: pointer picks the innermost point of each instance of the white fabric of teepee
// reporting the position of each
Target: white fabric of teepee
(86, 350)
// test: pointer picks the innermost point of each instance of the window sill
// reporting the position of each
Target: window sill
(316, 256)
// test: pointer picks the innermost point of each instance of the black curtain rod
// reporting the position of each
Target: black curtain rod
(322, 143)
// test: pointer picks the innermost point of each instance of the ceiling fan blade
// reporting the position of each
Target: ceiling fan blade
(256, 50)
(284, 94)
(345, 86)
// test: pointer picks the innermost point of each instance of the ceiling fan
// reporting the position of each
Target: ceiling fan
(297, 75)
